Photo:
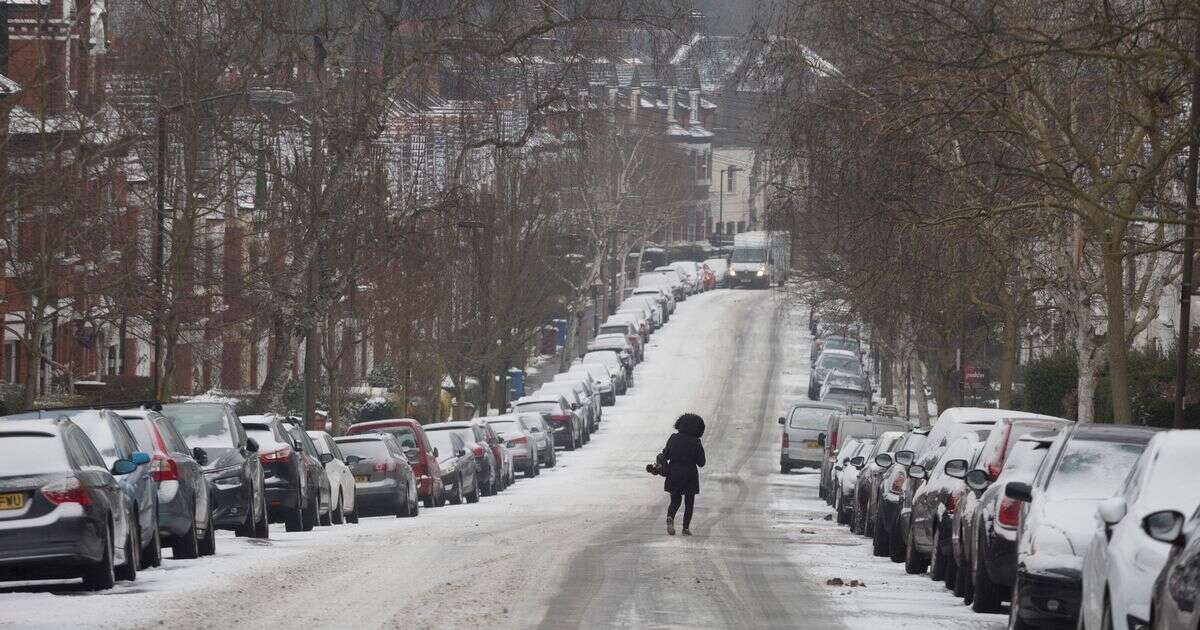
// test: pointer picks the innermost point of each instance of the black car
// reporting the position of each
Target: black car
(285, 475)
(457, 463)
(63, 511)
(1083, 466)
(184, 517)
(932, 511)
(383, 478)
(234, 474)
(487, 469)
(888, 538)
(319, 509)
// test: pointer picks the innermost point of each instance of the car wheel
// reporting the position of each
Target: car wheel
(474, 496)
(962, 582)
(879, 543)
(414, 506)
(571, 444)
(914, 564)
(785, 469)
(311, 515)
(338, 514)
(151, 554)
(531, 471)
(187, 546)
(1106, 622)
(457, 499)
(843, 515)
(402, 508)
(896, 543)
(208, 544)
(1015, 622)
(128, 571)
(262, 529)
(937, 563)
(101, 576)
(428, 501)
(352, 517)
(326, 519)
(294, 521)
(987, 595)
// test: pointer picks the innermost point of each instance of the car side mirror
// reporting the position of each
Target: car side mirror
(534, 430)
(781, 420)
(1019, 491)
(251, 445)
(200, 455)
(412, 454)
(858, 461)
(978, 479)
(1165, 526)
(883, 460)
(435, 451)
(461, 452)
(820, 439)
(905, 458)
(1112, 510)
(139, 458)
(352, 460)
(956, 468)
(326, 458)
(917, 471)
(123, 467)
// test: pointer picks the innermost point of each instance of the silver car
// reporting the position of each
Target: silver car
(519, 440)
(802, 429)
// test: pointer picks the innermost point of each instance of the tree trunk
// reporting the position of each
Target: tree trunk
(1008, 359)
(1118, 346)
(885, 378)
(918, 382)
(279, 363)
(33, 359)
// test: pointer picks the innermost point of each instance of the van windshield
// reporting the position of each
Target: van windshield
(809, 418)
(750, 255)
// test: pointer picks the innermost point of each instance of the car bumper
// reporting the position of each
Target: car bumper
(889, 512)
(281, 499)
(176, 514)
(374, 494)
(1048, 600)
(424, 486)
(1000, 559)
(51, 545)
(230, 499)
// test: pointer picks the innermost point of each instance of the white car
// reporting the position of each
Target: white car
(341, 480)
(600, 376)
(1124, 558)
(662, 295)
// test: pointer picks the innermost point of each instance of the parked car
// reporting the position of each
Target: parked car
(409, 433)
(1127, 552)
(567, 424)
(692, 271)
(577, 402)
(662, 295)
(625, 325)
(285, 475)
(720, 271)
(503, 457)
(841, 361)
(668, 280)
(995, 459)
(457, 463)
(846, 390)
(870, 473)
(802, 428)
(383, 478)
(689, 287)
(543, 436)
(519, 439)
(886, 537)
(235, 476)
(843, 426)
(476, 440)
(619, 346)
(185, 519)
(935, 500)
(582, 380)
(341, 480)
(64, 514)
(600, 376)
(622, 378)
(834, 342)
(1084, 465)
(1176, 599)
(321, 501)
(846, 476)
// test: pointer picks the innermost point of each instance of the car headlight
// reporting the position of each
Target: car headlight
(733, 272)
(761, 271)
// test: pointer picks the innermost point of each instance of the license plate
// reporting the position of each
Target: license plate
(12, 501)
(810, 444)
(361, 478)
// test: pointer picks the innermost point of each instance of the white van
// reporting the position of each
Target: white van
(802, 428)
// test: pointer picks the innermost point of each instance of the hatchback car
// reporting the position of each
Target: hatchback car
(802, 428)
(616, 369)
(410, 434)
(935, 500)
(285, 478)
(62, 511)
(886, 537)
(383, 478)
(604, 382)
(845, 475)
(319, 508)
(543, 436)
(831, 361)
(235, 476)
(460, 476)
(184, 517)
(341, 480)
(475, 438)
(567, 424)
(871, 471)
(519, 440)
(1176, 600)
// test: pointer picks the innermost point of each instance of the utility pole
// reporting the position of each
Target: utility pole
(312, 344)
(1183, 348)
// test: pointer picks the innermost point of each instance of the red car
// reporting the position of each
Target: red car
(708, 279)
(409, 435)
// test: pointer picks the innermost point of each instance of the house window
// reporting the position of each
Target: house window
(731, 186)
(720, 228)
(741, 226)
(729, 227)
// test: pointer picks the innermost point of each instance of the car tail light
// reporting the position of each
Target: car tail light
(1009, 514)
(951, 502)
(561, 418)
(785, 439)
(478, 450)
(994, 466)
(165, 469)
(632, 338)
(381, 467)
(831, 445)
(898, 482)
(275, 457)
(68, 490)
(518, 440)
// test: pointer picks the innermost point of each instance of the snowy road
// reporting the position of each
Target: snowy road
(583, 545)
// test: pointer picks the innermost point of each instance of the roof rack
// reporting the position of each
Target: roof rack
(887, 410)
(152, 405)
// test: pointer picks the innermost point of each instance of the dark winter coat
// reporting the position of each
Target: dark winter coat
(683, 455)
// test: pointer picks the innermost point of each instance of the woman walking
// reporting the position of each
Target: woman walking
(680, 461)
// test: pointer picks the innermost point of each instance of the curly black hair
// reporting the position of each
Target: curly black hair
(690, 424)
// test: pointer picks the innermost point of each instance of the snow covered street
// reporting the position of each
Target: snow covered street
(584, 544)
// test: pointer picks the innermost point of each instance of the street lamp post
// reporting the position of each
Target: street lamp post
(721, 185)
(253, 96)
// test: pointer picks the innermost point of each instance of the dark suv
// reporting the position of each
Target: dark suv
(284, 472)
(235, 476)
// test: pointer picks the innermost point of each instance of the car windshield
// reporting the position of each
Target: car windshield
(366, 449)
(809, 418)
(1092, 469)
(750, 254)
(839, 363)
(201, 425)
(840, 344)
(442, 441)
(26, 454)
(140, 427)
(505, 426)
(405, 437)
(614, 329)
(549, 407)
(603, 358)
(845, 395)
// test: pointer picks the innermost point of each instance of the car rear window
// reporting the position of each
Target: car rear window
(549, 407)
(1092, 469)
(140, 427)
(202, 425)
(367, 449)
(31, 454)
(100, 433)
(809, 418)
(267, 437)
(618, 329)
(504, 426)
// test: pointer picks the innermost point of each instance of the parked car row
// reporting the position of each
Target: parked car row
(1075, 525)
(838, 373)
